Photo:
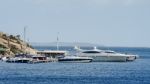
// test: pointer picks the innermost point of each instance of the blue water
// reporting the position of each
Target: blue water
(137, 72)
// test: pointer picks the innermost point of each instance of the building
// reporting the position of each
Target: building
(51, 53)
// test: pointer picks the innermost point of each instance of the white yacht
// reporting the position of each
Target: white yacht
(106, 55)
(75, 59)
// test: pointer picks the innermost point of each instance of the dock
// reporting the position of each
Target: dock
(52, 54)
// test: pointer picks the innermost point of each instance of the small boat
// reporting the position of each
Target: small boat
(131, 57)
(18, 60)
(75, 59)
(27, 58)
(5, 58)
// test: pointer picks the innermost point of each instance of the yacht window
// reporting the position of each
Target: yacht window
(109, 52)
(91, 52)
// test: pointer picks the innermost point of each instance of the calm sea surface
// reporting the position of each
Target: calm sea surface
(137, 72)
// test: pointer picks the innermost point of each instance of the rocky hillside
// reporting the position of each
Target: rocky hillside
(10, 45)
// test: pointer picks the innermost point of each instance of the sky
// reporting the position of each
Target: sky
(105, 22)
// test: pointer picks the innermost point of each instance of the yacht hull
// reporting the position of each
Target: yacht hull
(75, 59)
(106, 58)
(106, 55)
(109, 58)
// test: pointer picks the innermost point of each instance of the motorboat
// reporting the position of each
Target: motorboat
(132, 57)
(27, 58)
(106, 55)
(75, 59)
(4, 58)
(18, 60)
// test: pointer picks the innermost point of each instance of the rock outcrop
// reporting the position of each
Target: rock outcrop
(12, 45)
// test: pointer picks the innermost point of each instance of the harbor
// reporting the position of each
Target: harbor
(74, 42)
(66, 73)
(20, 51)
(79, 56)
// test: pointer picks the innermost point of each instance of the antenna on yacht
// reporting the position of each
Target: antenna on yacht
(95, 48)
(76, 47)
(57, 41)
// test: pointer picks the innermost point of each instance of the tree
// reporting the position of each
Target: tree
(18, 37)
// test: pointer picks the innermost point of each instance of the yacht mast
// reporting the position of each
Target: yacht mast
(25, 38)
(57, 41)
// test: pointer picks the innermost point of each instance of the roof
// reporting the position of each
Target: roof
(47, 51)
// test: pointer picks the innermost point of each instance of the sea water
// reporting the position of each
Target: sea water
(136, 72)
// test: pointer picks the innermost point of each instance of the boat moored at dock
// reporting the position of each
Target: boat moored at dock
(75, 59)
(18, 60)
(26, 58)
(106, 55)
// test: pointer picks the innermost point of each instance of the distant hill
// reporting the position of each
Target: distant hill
(64, 44)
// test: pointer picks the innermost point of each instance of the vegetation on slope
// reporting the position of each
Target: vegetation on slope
(10, 45)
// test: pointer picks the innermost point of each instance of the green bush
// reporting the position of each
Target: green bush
(4, 36)
(15, 50)
(2, 46)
